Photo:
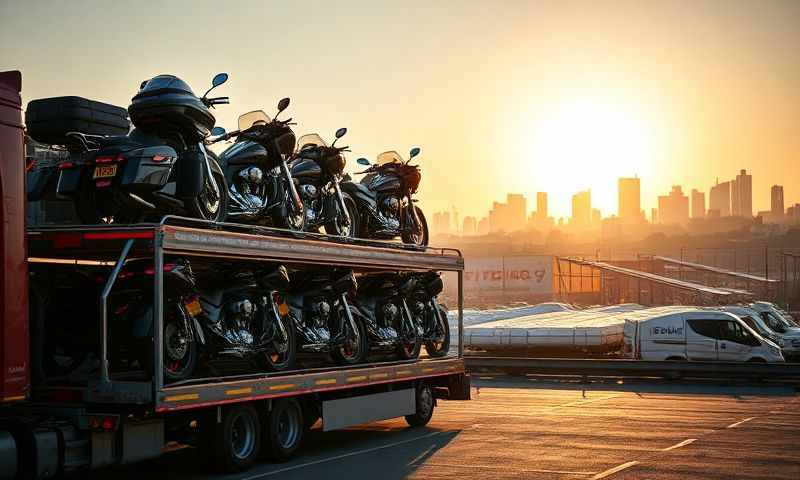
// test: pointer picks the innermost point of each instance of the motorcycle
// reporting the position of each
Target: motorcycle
(244, 320)
(381, 303)
(247, 318)
(429, 314)
(384, 201)
(323, 318)
(318, 168)
(261, 189)
(160, 167)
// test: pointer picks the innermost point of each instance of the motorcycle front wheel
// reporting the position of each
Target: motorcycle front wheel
(336, 225)
(180, 347)
(356, 345)
(210, 205)
(282, 354)
(293, 218)
(439, 342)
(417, 234)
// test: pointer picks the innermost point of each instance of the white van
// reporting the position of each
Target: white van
(769, 327)
(783, 324)
(698, 335)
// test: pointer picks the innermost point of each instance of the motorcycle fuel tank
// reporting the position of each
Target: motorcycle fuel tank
(304, 168)
(383, 183)
(246, 153)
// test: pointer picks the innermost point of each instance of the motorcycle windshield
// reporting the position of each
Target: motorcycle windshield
(253, 118)
(310, 140)
(389, 157)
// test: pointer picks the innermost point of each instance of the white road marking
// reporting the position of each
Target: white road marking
(734, 425)
(612, 471)
(344, 455)
(680, 444)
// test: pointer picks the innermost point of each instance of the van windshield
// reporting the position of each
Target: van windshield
(774, 322)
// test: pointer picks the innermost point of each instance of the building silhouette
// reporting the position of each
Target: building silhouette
(441, 223)
(674, 207)
(541, 206)
(719, 199)
(509, 216)
(742, 195)
(776, 197)
(698, 204)
(629, 207)
(470, 226)
(582, 209)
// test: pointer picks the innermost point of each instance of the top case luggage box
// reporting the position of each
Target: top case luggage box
(50, 119)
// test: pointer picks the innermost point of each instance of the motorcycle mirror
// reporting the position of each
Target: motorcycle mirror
(362, 161)
(217, 131)
(283, 105)
(219, 79)
(340, 133)
(413, 153)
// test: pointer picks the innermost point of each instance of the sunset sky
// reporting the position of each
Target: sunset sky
(502, 96)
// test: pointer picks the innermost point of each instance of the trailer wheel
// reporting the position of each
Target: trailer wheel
(283, 429)
(234, 444)
(425, 404)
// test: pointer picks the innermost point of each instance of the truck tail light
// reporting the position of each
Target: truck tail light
(103, 423)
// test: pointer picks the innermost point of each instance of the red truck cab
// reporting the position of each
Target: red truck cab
(15, 374)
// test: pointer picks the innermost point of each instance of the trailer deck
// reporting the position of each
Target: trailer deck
(111, 246)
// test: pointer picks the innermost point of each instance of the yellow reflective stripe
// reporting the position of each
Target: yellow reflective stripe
(180, 398)
(239, 391)
(358, 378)
(426, 370)
(404, 372)
(16, 397)
(284, 386)
(379, 375)
(326, 381)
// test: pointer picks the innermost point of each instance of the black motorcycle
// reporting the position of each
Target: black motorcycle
(160, 167)
(323, 317)
(429, 314)
(384, 199)
(318, 168)
(246, 318)
(381, 303)
(261, 190)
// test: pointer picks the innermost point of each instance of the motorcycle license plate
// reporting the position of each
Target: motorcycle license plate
(105, 171)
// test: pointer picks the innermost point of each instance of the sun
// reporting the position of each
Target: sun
(587, 143)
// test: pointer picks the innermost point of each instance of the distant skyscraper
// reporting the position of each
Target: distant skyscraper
(698, 204)
(742, 195)
(719, 198)
(629, 199)
(654, 215)
(509, 216)
(541, 206)
(582, 208)
(597, 217)
(441, 223)
(469, 227)
(483, 226)
(776, 195)
(673, 208)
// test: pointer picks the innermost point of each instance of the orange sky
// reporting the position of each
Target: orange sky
(501, 96)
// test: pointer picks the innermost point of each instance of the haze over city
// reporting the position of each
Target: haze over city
(557, 97)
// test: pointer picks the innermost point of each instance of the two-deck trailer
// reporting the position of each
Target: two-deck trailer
(116, 418)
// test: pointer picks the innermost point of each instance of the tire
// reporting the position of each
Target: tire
(180, 358)
(420, 237)
(335, 227)
(425, 405)
(291, 220)
(277, 361)
(356, 351)
(234, 444)
(284, 429)
(409, 350)
(202, 206)
(440, 346)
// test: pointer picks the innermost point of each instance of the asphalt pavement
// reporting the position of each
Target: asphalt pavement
(518, 427)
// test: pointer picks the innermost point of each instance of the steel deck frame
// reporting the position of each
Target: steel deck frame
(185, 236)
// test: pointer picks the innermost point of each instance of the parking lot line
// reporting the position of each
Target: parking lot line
(612, 471)
(679, 444)
(734, 425)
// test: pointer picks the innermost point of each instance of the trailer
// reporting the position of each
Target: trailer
(51, 425)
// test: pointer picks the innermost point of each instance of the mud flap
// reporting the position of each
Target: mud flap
(458, 387)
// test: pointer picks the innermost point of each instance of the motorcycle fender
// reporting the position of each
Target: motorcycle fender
(69, 181)
(198, 331)
(40, 182)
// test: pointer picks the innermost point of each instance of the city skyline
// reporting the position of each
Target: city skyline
(732, 198)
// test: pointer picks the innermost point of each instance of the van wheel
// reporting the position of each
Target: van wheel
(283, 429)
(234, 444)
(425, 404)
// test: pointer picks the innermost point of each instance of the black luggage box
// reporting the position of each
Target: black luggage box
(165, 103)
(49, 119)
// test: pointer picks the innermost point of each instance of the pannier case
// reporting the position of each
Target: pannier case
(49, 119)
